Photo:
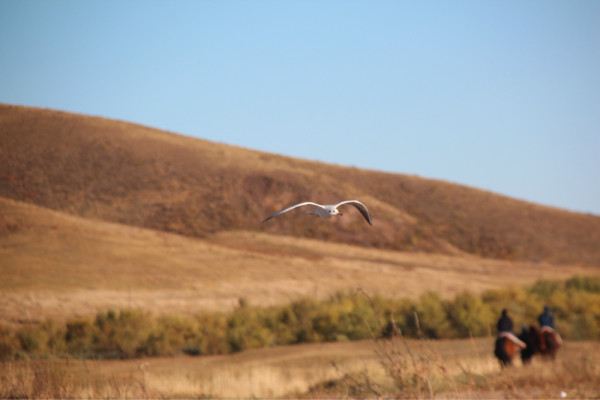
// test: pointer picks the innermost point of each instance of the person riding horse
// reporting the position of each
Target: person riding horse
(546, 318)
(507, 343)
(505, 323)
(550, 340)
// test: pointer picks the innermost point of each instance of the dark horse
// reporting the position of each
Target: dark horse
(544, 341)
(506, 348)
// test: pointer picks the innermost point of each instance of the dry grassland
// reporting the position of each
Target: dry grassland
(430, 369)
(58, 265)
(98, 214)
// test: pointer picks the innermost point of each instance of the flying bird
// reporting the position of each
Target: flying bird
(327, 211)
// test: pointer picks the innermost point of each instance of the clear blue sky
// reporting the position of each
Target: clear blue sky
(499, 95)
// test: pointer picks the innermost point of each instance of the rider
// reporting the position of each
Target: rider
(505, 328)
(505, 323)
(546, 318)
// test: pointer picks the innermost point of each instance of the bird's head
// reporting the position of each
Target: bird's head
(333, 212)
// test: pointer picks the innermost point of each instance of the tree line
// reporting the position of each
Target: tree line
(345, 316)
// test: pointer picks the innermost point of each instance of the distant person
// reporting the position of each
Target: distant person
(505, 329)
(524, 335)
(507, 343)
(505, 323)
(524, 329)
(550, 340)
(530, 338)
(546, 318)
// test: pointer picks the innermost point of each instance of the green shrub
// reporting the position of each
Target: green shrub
(168, 337)
(584, 284)
(580, 318)
(284, 324)
(398, 318)
(431, 317)
(9, 344)
(212, 334)
(33, 340)
(305, 312)
(544, 288)
(79, 337)
(123, 334)
(470, 316)
(246, 330)
(344, 316)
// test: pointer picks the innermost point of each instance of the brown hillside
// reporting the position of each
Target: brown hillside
(134, 175)
(58, 265)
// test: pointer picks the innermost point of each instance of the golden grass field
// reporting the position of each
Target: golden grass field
(98, 214)
(430, 369)
(58, 265)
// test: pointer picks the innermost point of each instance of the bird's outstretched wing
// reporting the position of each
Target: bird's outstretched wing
(360, 207)
(306, 203)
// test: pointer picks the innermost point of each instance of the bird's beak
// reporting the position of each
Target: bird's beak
(340, 214)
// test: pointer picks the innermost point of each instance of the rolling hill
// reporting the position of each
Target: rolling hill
(59, 265)
(134, 175)
(98, 214)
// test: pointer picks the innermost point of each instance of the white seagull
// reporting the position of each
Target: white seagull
(327, 211)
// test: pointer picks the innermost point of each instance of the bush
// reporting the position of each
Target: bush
(213, 334)
(169, 336)
(284, 324)
(246, 329)
(544, 289)
(79, 337)
(430, 317)
(470, 316)
(580, 318)
(123, 334)
(583, 284)
(9, 344)
(305, 312)
(344, 316)
(33, 340)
